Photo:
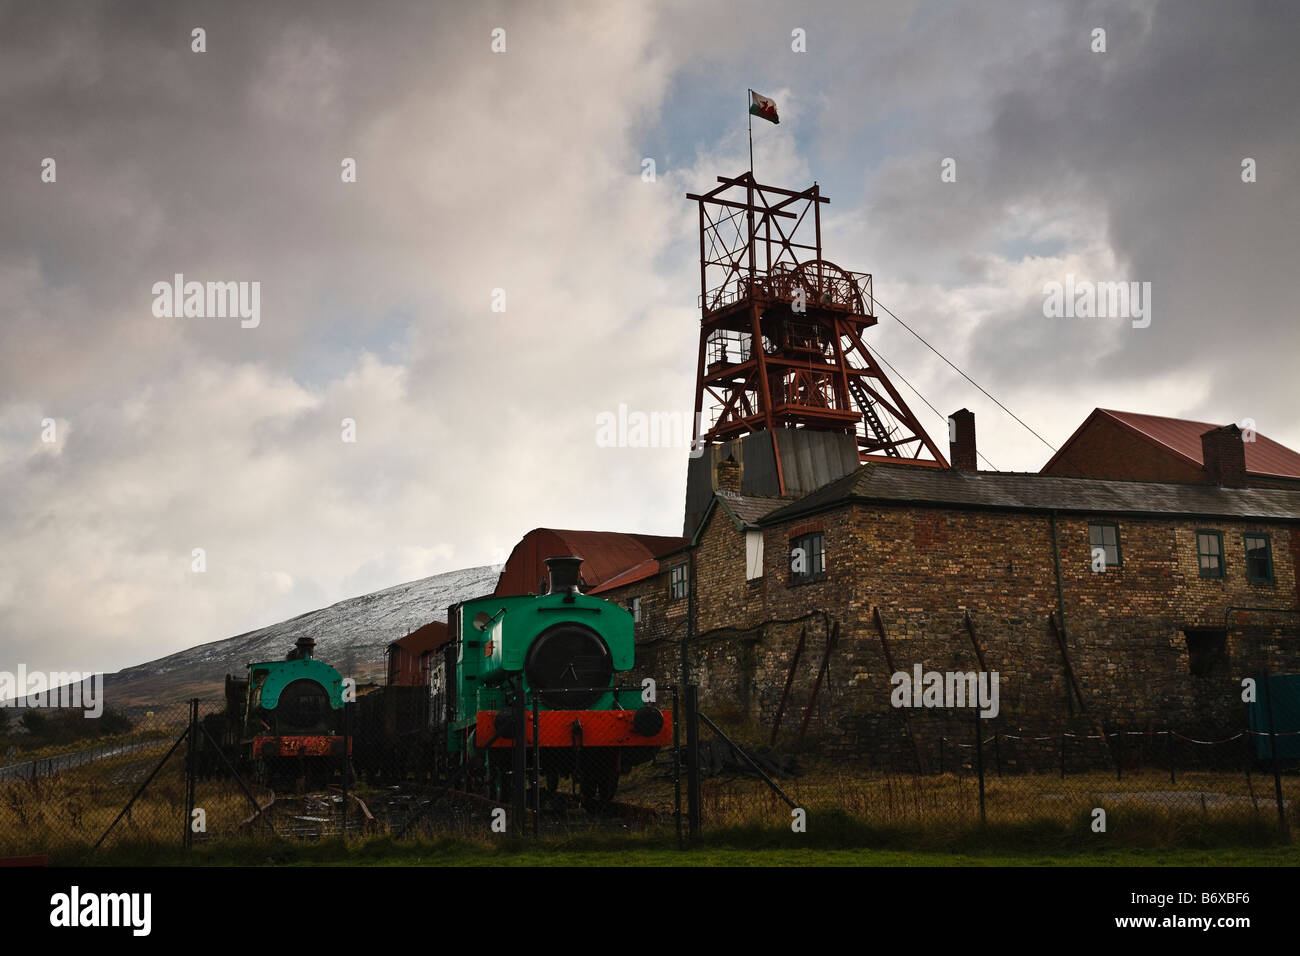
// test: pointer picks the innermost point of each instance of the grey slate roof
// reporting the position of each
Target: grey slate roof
(746, 510)
(1019, 491)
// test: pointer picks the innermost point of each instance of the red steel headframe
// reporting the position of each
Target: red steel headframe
(763, 280)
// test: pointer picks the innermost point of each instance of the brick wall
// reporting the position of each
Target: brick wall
(1106, 449)
(926, 569)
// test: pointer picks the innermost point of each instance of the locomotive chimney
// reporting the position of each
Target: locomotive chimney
(563, 574)
(304, 649)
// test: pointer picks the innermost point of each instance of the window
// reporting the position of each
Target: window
(1259, 559)
(677, 582)
(1209, 553)
(1207, 651)
(753, 555)
(807, 558)
(1106, 537)
(636, 610)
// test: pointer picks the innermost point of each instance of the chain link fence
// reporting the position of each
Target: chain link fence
(178, 776)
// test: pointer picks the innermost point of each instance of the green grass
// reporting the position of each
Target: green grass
(461, 853)
(832, 840)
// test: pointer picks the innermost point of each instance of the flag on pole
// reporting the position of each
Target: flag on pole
(763, 107)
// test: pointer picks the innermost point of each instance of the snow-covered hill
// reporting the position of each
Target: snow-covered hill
(352, 635)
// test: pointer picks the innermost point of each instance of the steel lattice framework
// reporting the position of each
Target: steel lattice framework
(763, 280)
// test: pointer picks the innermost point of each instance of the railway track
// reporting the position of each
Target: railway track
(409, 808)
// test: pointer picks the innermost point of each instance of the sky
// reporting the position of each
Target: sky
(502, 271)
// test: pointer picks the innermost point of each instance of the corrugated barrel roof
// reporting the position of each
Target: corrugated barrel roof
(605, 555)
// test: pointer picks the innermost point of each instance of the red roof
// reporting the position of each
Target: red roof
(606, 556)
(1264, 457)
(427, 638)
(406, 663)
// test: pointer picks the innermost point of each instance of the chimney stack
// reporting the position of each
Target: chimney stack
(728, 475)
(1225, 456)
(961, 440)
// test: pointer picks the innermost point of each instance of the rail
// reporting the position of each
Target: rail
(823, 284)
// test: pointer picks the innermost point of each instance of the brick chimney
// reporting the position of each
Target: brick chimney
(1225, 456)
(728, 475)
(961, 440)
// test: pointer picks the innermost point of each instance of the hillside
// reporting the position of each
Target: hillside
(352, 635)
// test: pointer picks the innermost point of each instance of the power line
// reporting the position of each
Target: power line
(915, 391)
(965, 376)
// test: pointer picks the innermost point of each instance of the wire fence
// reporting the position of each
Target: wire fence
(186, 775)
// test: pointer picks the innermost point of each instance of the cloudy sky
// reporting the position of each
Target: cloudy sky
(127, 440)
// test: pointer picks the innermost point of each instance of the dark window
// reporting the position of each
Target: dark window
(807, 558)
(1207, 651)
(1104, 536)
(1209, 553)
(1259, 559)
(677, 582)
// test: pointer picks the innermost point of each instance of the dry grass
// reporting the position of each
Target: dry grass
(72, 810)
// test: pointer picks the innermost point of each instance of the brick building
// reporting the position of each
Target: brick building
(1112, 444)
(1098, 601)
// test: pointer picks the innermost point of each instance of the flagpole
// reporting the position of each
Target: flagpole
(751, 133)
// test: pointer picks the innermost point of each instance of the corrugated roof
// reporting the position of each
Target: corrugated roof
(605, 556)
(427, 638)
(907, 484)
(1264, 457)
(646, 569)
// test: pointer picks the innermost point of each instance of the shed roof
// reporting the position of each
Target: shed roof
(606, 555)
(428, 637)
(746, 510)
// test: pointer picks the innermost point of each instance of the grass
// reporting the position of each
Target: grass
(853, 818)
(716, 850)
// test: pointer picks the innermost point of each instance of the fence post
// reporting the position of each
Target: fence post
(979, 764)
(519, 755)
(693, 759)
(191, 771)
(1119, 754)
(1272, 749)
(537, 770)
(677, 769)
(997, 750)
(1169, 753)
(1062, 754)
(347, 762)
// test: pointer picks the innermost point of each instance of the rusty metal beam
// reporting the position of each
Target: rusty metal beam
(789, 681)
(975, 641)
(889, 662)
(832, 638)
(1065, 657)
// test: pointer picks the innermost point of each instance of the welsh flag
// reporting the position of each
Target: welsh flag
(763, 106)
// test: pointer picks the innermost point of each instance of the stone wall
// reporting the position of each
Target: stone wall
(929, 571)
